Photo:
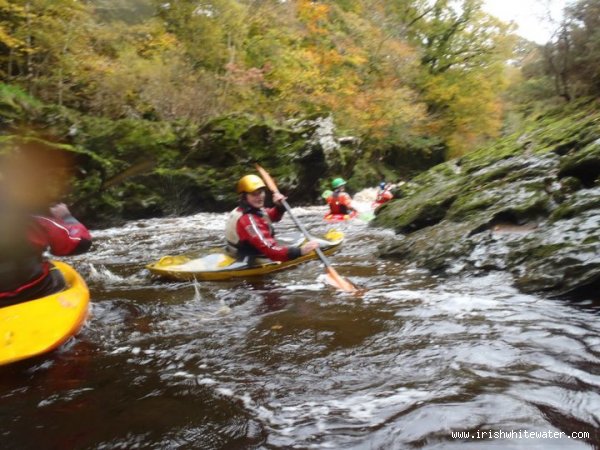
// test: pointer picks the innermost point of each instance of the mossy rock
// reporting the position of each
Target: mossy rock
(583, 164)
(522, 202)
(416, 212)
(528, 204)
(486, 157)
(436, 248)
(577, 203)
(561, 259)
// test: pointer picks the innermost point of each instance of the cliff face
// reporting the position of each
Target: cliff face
(134, 168)
(529, 204)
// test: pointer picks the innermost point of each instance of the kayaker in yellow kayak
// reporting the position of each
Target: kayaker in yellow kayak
(25, 273)
(249, 230)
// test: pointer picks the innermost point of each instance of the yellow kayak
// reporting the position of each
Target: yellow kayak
(216, 264)
(38, 326)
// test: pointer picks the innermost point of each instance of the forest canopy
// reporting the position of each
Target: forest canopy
(391, 73)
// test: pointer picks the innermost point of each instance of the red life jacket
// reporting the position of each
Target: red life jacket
(250, 232)
(339, 203)
(384, 196)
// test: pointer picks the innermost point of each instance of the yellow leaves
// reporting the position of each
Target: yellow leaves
(8, 40)
(313, 14)
(11, 17)
(333, 67)
(355, 59)
(8, 7)
(381, 112)
(154, 42)
(470, 107)
(356, 72)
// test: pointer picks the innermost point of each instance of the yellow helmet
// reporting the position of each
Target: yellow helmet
(250, 183)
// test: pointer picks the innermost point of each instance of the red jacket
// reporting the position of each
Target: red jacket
(63, 237)
(384, 196)
(251, 232)
(22, 264)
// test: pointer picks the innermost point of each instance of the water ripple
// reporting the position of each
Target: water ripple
(286, 361)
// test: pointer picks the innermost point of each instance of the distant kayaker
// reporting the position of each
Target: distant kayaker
(384, 194)
(25, 273)
(249, 230)
(339, 200)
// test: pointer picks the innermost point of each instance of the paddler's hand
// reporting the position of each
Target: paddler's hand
(308, 247)
(278, 197)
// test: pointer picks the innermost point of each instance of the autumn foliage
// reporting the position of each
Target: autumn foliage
(387, 71)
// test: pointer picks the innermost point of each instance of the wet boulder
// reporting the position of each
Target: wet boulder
(560, 258)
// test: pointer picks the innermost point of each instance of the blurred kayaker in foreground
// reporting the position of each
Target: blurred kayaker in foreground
(25, 188)
(249, 230)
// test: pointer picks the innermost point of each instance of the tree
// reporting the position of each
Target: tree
(582, 34)
(463, 52)
(211, 31)
(570, 60)
(13, 47)
(40, 38)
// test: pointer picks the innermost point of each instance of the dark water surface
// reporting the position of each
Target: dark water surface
(288, 362)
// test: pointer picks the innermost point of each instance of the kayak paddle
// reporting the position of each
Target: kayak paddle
(332, 276)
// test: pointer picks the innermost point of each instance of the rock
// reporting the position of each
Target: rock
(560, 258)
(529, 206)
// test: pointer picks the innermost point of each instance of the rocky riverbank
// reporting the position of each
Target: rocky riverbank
(529, 204)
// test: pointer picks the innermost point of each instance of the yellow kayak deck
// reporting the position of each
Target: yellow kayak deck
(218, 265)
(38, 326)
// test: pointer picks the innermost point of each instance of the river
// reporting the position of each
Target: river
(286, 361)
